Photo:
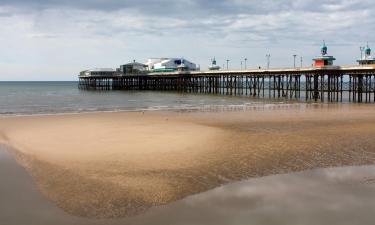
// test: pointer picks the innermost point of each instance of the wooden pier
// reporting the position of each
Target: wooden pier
(333, 83)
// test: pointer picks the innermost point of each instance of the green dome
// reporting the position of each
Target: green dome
(368, 51)
(324, 49)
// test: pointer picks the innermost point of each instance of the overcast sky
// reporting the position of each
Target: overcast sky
(55, 39)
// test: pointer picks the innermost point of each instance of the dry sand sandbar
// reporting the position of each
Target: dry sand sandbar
(106, 165)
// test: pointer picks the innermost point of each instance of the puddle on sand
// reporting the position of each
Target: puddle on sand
(324, 196)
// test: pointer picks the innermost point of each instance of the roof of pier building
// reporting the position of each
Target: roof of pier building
(98, 72)
(170, 64)
(133, 68)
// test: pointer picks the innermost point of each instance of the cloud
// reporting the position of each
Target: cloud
(194, 7)
(41, 35)
(124, 30)
(212, 17)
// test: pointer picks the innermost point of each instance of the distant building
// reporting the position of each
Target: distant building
(367, 59)
(324, 59)
(99, 72)
(170, 64)
(133, 68)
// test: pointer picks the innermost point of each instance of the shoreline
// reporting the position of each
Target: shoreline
(205, 108)
(160, 157)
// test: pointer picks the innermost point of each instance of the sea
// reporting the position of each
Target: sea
(30, 98)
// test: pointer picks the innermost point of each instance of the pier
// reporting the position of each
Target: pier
(329, 83)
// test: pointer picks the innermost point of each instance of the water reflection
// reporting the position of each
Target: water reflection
(323, 196)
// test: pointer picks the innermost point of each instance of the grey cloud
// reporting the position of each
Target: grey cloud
(252, 20)
(145, 6)
(5, 14)
(239, 20)
(192, 8)
(159, 27)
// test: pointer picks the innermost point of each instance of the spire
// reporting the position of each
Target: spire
(324, 49)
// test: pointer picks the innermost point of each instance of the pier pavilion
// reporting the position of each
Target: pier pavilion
(324, 59)
(367, 58)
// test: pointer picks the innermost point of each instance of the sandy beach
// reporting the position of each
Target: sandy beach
(108, 165)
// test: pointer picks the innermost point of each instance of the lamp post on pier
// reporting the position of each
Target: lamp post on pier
(294, 58)
(228, 64)
(245, 63)
(268, 56)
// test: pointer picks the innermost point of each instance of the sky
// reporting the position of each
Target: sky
(56, 39)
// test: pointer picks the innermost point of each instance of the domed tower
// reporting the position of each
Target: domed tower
(213, 65)
(324, 49)
(324, 59)
(367, 52)
(367, 59)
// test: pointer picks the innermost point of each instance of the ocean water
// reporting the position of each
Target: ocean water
(26, 98)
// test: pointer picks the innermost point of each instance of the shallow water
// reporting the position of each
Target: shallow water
(26, 98)
(322, 196)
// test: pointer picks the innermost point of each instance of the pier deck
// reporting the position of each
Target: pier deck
(331, 83)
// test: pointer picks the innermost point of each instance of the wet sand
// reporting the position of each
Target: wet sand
(109, 165)
(335, 196)
(21, 202)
